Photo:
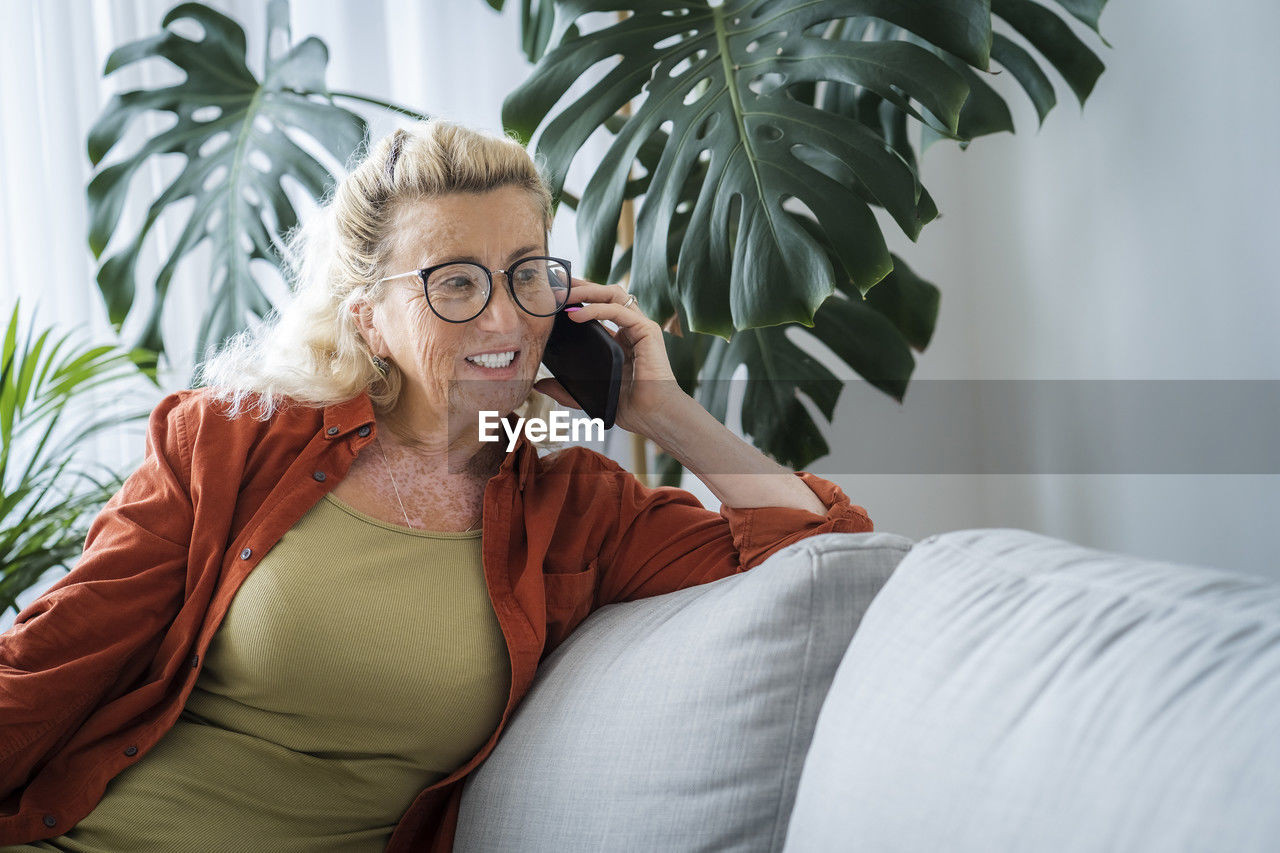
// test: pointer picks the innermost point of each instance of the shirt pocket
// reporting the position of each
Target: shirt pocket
(570, 598)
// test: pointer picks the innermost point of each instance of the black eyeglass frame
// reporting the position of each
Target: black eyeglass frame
(424, 274)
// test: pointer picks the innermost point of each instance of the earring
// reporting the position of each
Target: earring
(381, 366)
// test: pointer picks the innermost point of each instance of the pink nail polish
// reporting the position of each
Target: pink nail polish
(573, 308)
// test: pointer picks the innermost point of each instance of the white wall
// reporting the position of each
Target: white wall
(1134, 240)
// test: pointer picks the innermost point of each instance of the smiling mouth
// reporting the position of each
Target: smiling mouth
(494, 360)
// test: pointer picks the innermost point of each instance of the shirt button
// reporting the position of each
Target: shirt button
(332, 430)
(246, 553)
(50, 820)
(363, 431)
(318, 476)
(133, 750)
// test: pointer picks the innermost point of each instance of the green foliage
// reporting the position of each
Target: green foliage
(769, 135)
(766, 134)
(45, 495)
(236, 134)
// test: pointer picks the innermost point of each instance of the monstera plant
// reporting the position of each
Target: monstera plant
(237, 135)
(758, 137)
(755, 138)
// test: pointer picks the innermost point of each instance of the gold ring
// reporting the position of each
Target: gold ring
(631, 298)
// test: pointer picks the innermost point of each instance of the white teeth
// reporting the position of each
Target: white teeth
(492, 359)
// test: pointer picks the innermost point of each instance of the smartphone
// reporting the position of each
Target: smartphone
(587, 362)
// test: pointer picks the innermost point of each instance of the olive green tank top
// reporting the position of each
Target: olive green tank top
(359, 663)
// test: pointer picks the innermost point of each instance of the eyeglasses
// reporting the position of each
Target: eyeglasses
(459, 291)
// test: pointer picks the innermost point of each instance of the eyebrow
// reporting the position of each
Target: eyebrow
(523, 250)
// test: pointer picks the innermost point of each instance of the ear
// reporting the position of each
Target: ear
(365, 321)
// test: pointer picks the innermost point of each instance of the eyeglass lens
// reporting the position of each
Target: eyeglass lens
(458, 292)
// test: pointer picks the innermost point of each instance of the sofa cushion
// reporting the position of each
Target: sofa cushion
(679, 722)
(1007, 691)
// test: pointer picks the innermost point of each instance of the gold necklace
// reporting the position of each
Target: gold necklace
(397, 491)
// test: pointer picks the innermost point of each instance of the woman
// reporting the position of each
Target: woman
(309, 613)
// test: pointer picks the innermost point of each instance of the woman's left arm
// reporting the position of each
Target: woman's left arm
(735, 472)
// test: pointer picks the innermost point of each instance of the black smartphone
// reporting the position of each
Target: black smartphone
(587, 361)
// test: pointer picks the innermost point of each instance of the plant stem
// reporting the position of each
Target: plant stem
(377, 102)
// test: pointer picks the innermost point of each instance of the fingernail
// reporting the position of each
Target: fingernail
(572, 308)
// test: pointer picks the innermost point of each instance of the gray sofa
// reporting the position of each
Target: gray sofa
(987, 690)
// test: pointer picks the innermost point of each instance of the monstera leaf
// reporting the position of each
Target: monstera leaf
(877, 332)
(237, 134)
(719, 76)
(764, 135)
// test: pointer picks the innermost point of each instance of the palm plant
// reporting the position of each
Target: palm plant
(46, 494)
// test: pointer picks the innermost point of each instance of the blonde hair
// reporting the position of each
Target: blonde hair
(310, 351)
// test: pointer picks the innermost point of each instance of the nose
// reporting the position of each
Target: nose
(502, 314)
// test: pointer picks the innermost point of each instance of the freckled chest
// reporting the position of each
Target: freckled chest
(434, 499)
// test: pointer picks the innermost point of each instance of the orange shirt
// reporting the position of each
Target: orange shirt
(95, 671)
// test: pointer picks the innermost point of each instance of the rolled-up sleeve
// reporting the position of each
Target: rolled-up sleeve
(760, 531)
(664, 539)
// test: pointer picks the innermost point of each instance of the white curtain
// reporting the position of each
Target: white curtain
(51, 90)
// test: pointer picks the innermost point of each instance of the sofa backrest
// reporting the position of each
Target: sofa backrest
(1007, 691)
(679, 722)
